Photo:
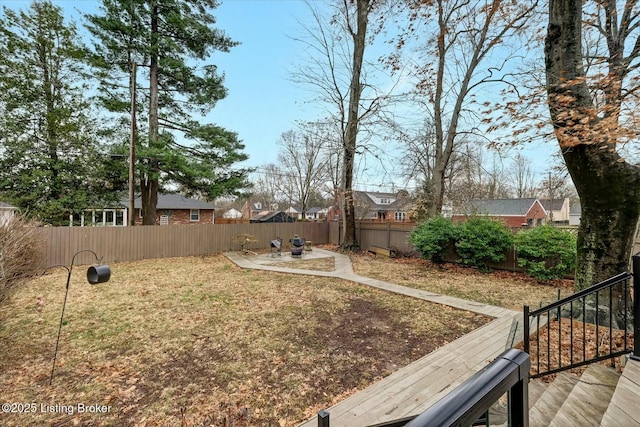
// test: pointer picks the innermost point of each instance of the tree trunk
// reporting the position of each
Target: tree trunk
(349, 241)
(149, 186)
(437, 184)
(610, 196)
(608, 186)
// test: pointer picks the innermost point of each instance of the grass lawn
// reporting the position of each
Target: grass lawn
(186, 341)
(500, 288)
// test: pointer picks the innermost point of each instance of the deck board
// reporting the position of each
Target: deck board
(624, 403)
(588, 399)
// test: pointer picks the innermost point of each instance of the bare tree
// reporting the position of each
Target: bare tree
(417, 160)
(270, 185)
(328, 137)
(300, 157)
(336, 72)
(479, 175)
(450, 71)
(521, 177)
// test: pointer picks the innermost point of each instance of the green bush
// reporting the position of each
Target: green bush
(546, 252)
(482, 241)
(432, 238)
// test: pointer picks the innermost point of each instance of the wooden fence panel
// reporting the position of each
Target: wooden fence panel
(116, 244)
(385, 235)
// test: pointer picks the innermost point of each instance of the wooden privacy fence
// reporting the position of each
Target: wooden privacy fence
(116, 244)
(393, 235)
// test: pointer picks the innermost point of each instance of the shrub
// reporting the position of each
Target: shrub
(21, 250)
(432, 238)
(546, 252)
(482, 241)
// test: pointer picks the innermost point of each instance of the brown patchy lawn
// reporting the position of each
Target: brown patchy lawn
(185, 340)
(500, 288)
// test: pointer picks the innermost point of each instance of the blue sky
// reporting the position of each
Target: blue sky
(262, 101)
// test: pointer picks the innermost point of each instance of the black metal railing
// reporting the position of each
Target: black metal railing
(469, 403)
(592, 325)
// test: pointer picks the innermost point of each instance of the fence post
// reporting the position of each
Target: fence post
(525, 327)
(636, 307)
(323, 418)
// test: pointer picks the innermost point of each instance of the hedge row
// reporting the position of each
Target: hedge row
(544, 252)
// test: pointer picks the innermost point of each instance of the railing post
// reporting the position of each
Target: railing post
(519, 401)
(525, 327)
(323, 418)
(636, 307)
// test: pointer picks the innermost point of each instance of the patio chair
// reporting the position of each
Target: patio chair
(275, 247)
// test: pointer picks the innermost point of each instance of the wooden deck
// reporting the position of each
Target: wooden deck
(419, 385)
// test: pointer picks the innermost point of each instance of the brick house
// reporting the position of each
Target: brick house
(176, 209)
(382, 207)
(512, 212)
(171, 209)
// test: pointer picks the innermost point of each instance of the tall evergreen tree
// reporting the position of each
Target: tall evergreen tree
(48, 145)
(171, 42)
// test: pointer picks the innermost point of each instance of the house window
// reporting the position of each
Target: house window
(164, 219)
(103, 217)
(400, 216)
(384, 201)
(109, 217)
(195, 215)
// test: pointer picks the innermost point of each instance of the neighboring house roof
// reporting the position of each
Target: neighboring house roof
(278, 216)
(498, 207)
(174, 201)
(552, 205)
(378, 201)
(315, 210)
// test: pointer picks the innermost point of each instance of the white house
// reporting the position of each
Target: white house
(232, 214)
(7, 212)
(293, 212)
(316, 213)
(575, 213)
(557, 210)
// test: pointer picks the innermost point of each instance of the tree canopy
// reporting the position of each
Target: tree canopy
(171, 41)
(50, 157)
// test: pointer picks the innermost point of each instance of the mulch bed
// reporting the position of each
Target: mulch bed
(552, 346)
